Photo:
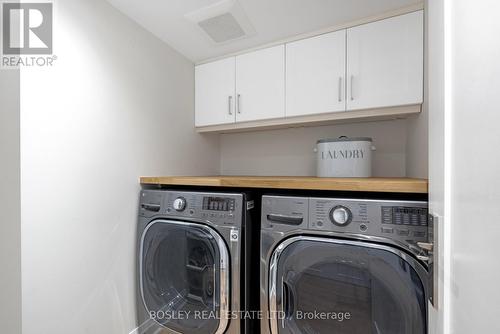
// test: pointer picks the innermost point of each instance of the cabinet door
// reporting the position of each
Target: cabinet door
(260, 84)
(214, 93)
(315, 74)
(385, 63)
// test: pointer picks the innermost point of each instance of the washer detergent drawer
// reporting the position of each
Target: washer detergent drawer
(282, 214)
(323, 286)
(184, 277)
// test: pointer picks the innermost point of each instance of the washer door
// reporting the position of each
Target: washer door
(324, 286)
(184, 277)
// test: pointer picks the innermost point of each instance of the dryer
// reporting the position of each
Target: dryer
(192, 263)
(336, 265)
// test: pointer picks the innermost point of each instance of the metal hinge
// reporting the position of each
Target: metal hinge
(433, 227)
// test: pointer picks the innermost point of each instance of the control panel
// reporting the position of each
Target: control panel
(217, 208)
(405, 222)
(402, 221)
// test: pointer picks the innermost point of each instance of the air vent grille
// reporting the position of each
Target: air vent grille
(223, 21)
(222, 28)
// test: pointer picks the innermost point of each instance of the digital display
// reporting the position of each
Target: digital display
(218, 204)
(409, 211)
(401, 215)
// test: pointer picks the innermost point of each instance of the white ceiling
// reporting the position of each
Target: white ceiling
(272, 19)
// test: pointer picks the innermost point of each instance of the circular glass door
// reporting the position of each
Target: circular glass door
(183, 284)
(324, 286)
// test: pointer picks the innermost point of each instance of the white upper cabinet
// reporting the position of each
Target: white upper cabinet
(315, 75)
(260, 84)
(355, 73)
(214, 93)
(385, 63)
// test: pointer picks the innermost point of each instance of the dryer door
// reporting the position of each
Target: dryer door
(184, 277)
(327, 286)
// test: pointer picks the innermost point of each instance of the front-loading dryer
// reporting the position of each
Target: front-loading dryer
(192, 263)
(344, 266)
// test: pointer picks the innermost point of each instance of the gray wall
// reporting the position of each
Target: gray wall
(118, 104)
(417, 149)
(417, 145)
(290, 151)
(10, 203)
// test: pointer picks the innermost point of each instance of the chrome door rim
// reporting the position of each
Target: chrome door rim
(224, 271)
(273, 266)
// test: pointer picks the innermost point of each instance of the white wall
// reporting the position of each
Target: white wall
(117, 105)
(10, 204)
(475, 181)
(435, 103)
(290, 151)
(464, 183)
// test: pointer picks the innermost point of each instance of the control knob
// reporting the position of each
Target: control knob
(179, 204)
(340, 215)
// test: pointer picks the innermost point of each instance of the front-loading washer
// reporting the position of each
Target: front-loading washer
(345, 266)
(192, 262)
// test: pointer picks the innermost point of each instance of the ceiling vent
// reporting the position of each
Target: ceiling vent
(223, 21)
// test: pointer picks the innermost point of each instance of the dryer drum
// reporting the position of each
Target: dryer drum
(180, 268)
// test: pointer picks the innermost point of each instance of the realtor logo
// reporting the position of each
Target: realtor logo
(27, 28)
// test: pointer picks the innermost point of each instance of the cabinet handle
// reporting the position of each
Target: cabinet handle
(340, 89)
(238, 98)
(352, 79)
(230, 100)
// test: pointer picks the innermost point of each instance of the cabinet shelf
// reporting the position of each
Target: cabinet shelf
(353, 116)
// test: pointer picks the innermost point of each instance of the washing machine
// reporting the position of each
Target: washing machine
(344, 266)
(192, 265)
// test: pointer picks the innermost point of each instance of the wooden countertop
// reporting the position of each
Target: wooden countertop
(397, 185)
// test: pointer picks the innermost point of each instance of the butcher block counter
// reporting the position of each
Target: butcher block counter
(372, 184)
